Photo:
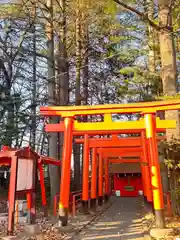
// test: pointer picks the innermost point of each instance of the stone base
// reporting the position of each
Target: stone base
(52, 220)
(147, 237)
(85, 207)
(32, 229)
(40, 236)
(160, 233)
(63, 217)
(100, 200)
(159, 216)
(45, 210)
(106, 198)
(65, 229)
(93, 204)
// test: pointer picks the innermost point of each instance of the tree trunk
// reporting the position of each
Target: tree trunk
(156, 88)
(62, 68)
(33, 126)
(10, 100)
(78, 53)
(169, 71)
(76, 147)
(85, 55)
(54, 171)
(151, 55)
(168, 60)
(10, 119)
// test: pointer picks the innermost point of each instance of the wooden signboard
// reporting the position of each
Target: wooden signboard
(25, 174)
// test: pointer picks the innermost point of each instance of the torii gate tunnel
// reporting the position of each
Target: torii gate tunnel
(146, 147)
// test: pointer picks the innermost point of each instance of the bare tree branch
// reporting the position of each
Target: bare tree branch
(3, 68)
(142, 15)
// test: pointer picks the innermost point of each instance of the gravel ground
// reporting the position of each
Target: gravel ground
(48, 231)
(124, 214)
(122, 221)
(46, 228)
(171, 222)
(3, 206)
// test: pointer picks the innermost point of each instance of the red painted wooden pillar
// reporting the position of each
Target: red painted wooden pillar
(147, 168)
(100, 180)
(43, 190)
(158, 201)
(12, 195)
(106, 196)
(31, 198)
(31, 205)
(85, 184)
(110, 184)
(66, 171)
(94, 178)
(143, 177)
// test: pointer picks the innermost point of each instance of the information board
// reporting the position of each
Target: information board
(25, 174)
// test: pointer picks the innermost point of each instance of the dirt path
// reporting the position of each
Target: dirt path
(121, 221)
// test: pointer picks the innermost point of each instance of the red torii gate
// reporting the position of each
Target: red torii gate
(112, 152)
(113, 142)
(81, 128)
(135, 143)
(136, 158)
(149, 123)
(141, 152)
(122, 152)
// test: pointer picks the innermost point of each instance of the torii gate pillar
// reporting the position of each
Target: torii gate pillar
(100, 180)
(147, 168)
(94, 179)
(66, 171)
(85, 184)
(158, 201)
(106, 174)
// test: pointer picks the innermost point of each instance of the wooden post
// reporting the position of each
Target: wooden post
(29, 204)
(147, 168)
(106, 196)
(85, 185)
(12, 195)
(66, 171)
(55, 201)
(43, 190)
(33, 207)
(94, 178)
(73, 205)
(143, 178)
(158, 201)
(17, 211)
(100, 180)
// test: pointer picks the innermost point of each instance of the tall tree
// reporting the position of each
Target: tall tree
(34, 90)
(54, 171)
(168, 59)
(76, 147)
(169, 79)
(151, 57)
(62, 96)
(85, 56)
(78, 52)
